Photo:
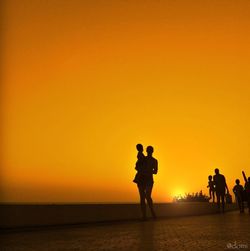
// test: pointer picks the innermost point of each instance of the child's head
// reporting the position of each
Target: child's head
(237, 181)
(139, 147)
(210, 177)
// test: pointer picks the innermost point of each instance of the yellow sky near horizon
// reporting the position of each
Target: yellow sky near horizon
(85, 81)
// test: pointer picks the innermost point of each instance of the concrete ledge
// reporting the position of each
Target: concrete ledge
(26, 215)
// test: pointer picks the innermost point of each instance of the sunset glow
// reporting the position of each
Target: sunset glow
(85, 81)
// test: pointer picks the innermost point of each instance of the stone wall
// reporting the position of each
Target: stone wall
(14, 216)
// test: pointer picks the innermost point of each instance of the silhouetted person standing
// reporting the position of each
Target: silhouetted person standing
(220, 188)
(145, 181)
(211, 187)
(238, 191)
(247, 188)
(139, 163)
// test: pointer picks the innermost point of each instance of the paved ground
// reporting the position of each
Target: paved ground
(230, 231)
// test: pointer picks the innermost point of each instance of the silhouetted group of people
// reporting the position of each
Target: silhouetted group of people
(242, 193)
(146, 167)
(217, 186)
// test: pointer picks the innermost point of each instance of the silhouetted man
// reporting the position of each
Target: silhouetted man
(145, 184)
(220, 188)
(238, 191)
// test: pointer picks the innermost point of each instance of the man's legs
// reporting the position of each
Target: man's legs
(141, 189)
(248, 201)
(239, 202)
(218, 199)
(149, 199)
(223, 201)
(242, 204)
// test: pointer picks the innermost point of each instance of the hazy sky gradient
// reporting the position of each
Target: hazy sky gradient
(84, 81)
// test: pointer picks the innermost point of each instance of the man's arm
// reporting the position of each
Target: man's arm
(244, 176)
(215, 183)
(226, 185)
(155, 169)
(234, 190)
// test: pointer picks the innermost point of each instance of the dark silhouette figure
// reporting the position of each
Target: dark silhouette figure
(247, 190)
(238, 191)
(211, 187)
(220, 189)
(145, 170)
(139, 163)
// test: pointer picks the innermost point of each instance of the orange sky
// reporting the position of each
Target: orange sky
(84, 81)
